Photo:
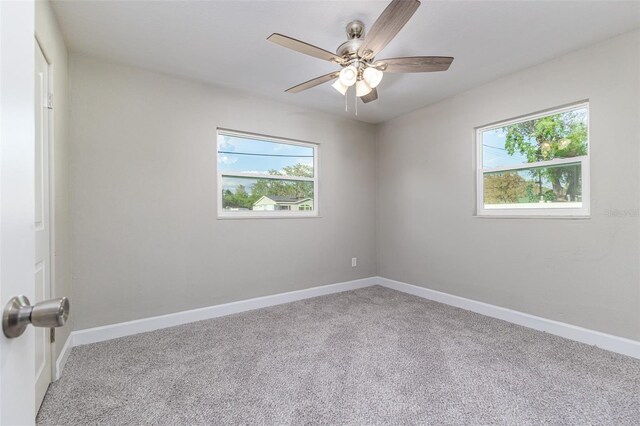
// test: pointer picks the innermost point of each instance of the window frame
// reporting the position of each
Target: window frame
(267, 214)
(544, 210)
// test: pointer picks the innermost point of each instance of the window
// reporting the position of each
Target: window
(260, 176)
(535, 166)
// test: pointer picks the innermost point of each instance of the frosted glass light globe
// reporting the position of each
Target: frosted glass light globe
(372, 76)
(362, 88)
(348, 76)
(340, 87)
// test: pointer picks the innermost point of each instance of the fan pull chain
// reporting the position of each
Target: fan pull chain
(355, 98)
(346, 103)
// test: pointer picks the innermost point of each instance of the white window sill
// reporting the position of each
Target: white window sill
(531, 216)
(269, 217)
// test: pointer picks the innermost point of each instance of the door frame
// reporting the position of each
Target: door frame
(51, 145)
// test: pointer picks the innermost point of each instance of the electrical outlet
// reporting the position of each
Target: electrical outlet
(354, 262)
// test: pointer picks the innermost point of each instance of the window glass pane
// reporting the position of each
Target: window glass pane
(241, 193)
(551, 186)
(246, 155)
(562, 135)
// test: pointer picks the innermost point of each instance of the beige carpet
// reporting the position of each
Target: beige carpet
(369, 356)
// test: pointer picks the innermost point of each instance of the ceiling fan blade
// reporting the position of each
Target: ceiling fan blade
(414, 64)
(313, 83)
(370, 97)
(306, 48)
(388, 24)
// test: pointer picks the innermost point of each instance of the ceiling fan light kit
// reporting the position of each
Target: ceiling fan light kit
(356, 56)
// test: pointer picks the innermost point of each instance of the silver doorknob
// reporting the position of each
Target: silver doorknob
(19, 313)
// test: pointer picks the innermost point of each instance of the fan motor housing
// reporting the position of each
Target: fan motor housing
(349, 48)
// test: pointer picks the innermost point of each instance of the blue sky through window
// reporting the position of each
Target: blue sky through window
(494, 153)
(238, 154)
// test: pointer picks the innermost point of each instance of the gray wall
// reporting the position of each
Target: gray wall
(145, 235)
(50, 39)
(583, 272)
(146, 238)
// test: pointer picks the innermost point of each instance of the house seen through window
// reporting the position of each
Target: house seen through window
(260, 176)
(537, 165)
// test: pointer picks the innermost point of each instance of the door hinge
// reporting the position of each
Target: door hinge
(52, 335)
(50, 100)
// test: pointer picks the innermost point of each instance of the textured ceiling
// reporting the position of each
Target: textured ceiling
(224, 42)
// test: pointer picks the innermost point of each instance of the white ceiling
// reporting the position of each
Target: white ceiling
(224, 42)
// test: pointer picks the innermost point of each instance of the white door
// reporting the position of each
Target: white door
(17, 248)
(41, 223)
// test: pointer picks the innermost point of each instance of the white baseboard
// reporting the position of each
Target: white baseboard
(113, 331)
(584, 335)
(62, 358)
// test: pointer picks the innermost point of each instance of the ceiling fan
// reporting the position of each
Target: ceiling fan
(356, 56)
